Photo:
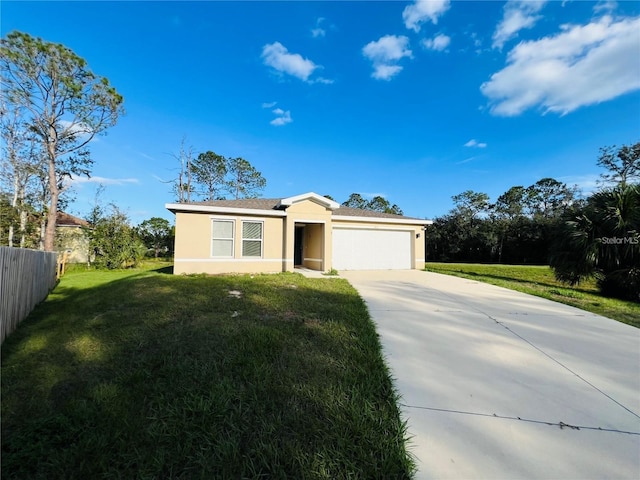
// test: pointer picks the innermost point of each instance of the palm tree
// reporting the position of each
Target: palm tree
(602, 240)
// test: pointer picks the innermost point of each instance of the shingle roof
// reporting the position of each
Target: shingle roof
(257, 203)
(66, 220)
(272, 204)
(358, 212)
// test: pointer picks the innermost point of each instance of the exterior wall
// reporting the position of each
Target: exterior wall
(193, 241)
(313, 246)
(317, 219)
(417, 238)
(193, 245)
(74, 241)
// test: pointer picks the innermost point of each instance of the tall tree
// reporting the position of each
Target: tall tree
(507, 210)
(623, 165)
(244, 181)
(64, 103)
(377, 204)
(182, 186)
(209, 171)
(157, 234)
(21, 163)
(381, 204)
(355, 200)
(470, 205)
(510, 204)
(549, 198)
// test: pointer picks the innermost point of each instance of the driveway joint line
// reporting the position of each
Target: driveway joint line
(502, 324)
(560, 424)
(563, 365)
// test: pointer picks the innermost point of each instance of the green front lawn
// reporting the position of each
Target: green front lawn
(141, 374)
(540, 281)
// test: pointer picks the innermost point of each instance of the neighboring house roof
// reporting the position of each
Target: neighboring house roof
(67, 220)
(276, 207)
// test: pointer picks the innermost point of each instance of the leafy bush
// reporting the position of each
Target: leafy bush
(113, 242)
(624, 283)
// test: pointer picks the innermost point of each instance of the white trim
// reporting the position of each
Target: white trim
(229, 260)
(324, 201)
(312, 260)
(371, 227)
(302, 220)
(183, 207)
(400, 221)
(419, 259)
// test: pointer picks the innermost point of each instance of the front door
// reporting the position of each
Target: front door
(297, 246)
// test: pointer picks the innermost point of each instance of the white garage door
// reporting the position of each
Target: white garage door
(362, 249)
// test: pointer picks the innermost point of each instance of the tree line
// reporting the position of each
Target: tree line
(516, 228)
(211, 176)
(551, 223)
(378, 204)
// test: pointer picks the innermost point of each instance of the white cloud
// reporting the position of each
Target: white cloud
(518, 14)
(276, 56)
(474, 143)
(384, 53)
(326, 81)
(148, 157)
(586, 183)
(371, 196)
(269, 104)
(282, 117)
(105, 180)
(439, 42)
(78, 130)
(582, 65)
(387, 48)
(385, 72)
(318, 31)
(423, 10)
(605, 6)
(466, 160)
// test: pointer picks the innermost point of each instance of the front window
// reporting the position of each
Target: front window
(222, 238)
(251, 239)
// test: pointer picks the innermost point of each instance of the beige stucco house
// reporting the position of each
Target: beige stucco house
(72, 238)
(277, 235)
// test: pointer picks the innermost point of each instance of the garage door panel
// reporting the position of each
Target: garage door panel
(368, 249)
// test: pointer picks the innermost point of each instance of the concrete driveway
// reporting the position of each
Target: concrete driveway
(499, 384)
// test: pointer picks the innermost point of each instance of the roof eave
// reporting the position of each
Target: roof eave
(324, 201)
(397, 221)
(183, 207)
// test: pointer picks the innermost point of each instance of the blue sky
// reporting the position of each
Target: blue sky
(415, 101)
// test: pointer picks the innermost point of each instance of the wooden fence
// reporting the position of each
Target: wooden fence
(26, 278)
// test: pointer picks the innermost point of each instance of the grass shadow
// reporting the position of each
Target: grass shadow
(165, 270)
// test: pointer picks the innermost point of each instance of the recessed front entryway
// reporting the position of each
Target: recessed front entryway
(308, 248)
(298, 246)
